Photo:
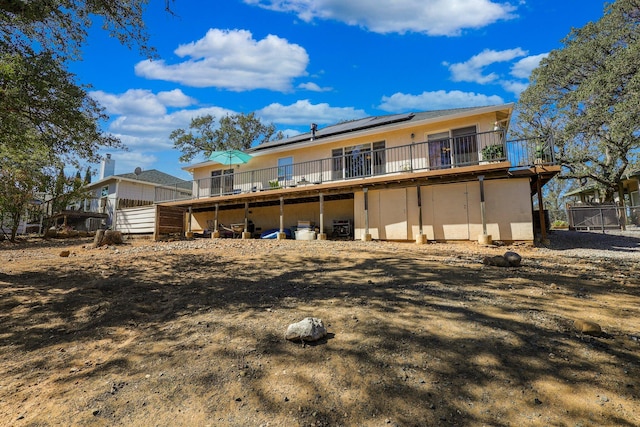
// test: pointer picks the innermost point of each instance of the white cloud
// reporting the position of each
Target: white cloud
(514, 86)
(160, 126)
(141, 118)
(431, 17)
(175, 98)
(147, 136)
(438, 100)
(233, 60)
(523, 68)
(141, 101)
(313, 87)
(473, 69)
(304, 113)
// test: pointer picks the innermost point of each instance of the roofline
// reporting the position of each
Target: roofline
(193, 166)
(122, 178)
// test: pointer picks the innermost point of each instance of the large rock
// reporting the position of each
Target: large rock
(308, 329)
(587, 327)
(513, 258)
(509, 259)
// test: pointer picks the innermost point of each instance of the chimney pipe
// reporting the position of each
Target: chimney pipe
(107, 166)
(314, 128)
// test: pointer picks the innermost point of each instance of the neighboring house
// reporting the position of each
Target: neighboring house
(628, 190)
(438, 175)
(31, 220)
(119, 196)
(586, 208)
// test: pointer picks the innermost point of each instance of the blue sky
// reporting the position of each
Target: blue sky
(296, 62)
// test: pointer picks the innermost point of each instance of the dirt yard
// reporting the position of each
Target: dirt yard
(190, 333)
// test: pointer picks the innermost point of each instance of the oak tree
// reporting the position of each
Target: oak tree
(232, 132)
(47, 119)
(586, 95)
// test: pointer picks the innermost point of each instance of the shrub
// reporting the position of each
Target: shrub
(493, 152)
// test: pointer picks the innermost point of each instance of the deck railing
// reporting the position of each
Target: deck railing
(437, 154)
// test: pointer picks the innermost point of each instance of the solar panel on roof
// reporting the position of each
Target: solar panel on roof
(354, 125)
(366, 123)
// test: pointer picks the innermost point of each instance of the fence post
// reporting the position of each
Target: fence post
(543, 224)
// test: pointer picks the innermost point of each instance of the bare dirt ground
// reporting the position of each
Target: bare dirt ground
(190, 333)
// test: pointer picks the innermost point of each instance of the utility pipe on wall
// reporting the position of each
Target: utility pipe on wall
(482, 210)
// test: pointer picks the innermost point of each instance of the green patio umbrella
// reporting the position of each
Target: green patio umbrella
(229, 157)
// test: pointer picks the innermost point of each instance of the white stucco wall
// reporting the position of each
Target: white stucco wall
(449, 211)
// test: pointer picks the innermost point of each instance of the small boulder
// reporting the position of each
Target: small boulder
(309, 329)
(65, 254)
(513, 258)
(587, 327)
(498, 261)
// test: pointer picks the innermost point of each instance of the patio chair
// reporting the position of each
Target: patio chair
(232, 230)
(226, 231)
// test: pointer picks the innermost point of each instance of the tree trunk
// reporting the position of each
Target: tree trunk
(107, 237)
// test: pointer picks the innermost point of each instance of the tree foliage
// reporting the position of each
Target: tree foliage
(28, 175)
(61, 26)
(64, 190)
(554, 193)
(586, 95)
(234, 132)
(22, 175)
(47, 119)
(37, 39)
(39, 94)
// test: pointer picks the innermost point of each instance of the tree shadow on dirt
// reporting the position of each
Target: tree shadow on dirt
(30, 242)
(426, 340)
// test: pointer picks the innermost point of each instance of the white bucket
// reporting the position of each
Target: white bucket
(305, 234)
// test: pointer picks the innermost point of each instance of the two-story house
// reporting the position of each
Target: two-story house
(127, 200)
(435, 175)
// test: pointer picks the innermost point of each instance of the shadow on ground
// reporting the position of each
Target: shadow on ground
(438, 340)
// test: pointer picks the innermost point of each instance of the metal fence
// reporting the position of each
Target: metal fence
(596, 217)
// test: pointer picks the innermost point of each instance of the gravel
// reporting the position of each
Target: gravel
(614, 245)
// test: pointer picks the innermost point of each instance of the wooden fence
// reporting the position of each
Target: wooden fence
(169, 220)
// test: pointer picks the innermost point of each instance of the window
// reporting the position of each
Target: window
(465, 145)
(337, 164)
(221, 182)
(379, 158)
(285, 169)
(439, 150)
(358, 160)
(461, 148)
